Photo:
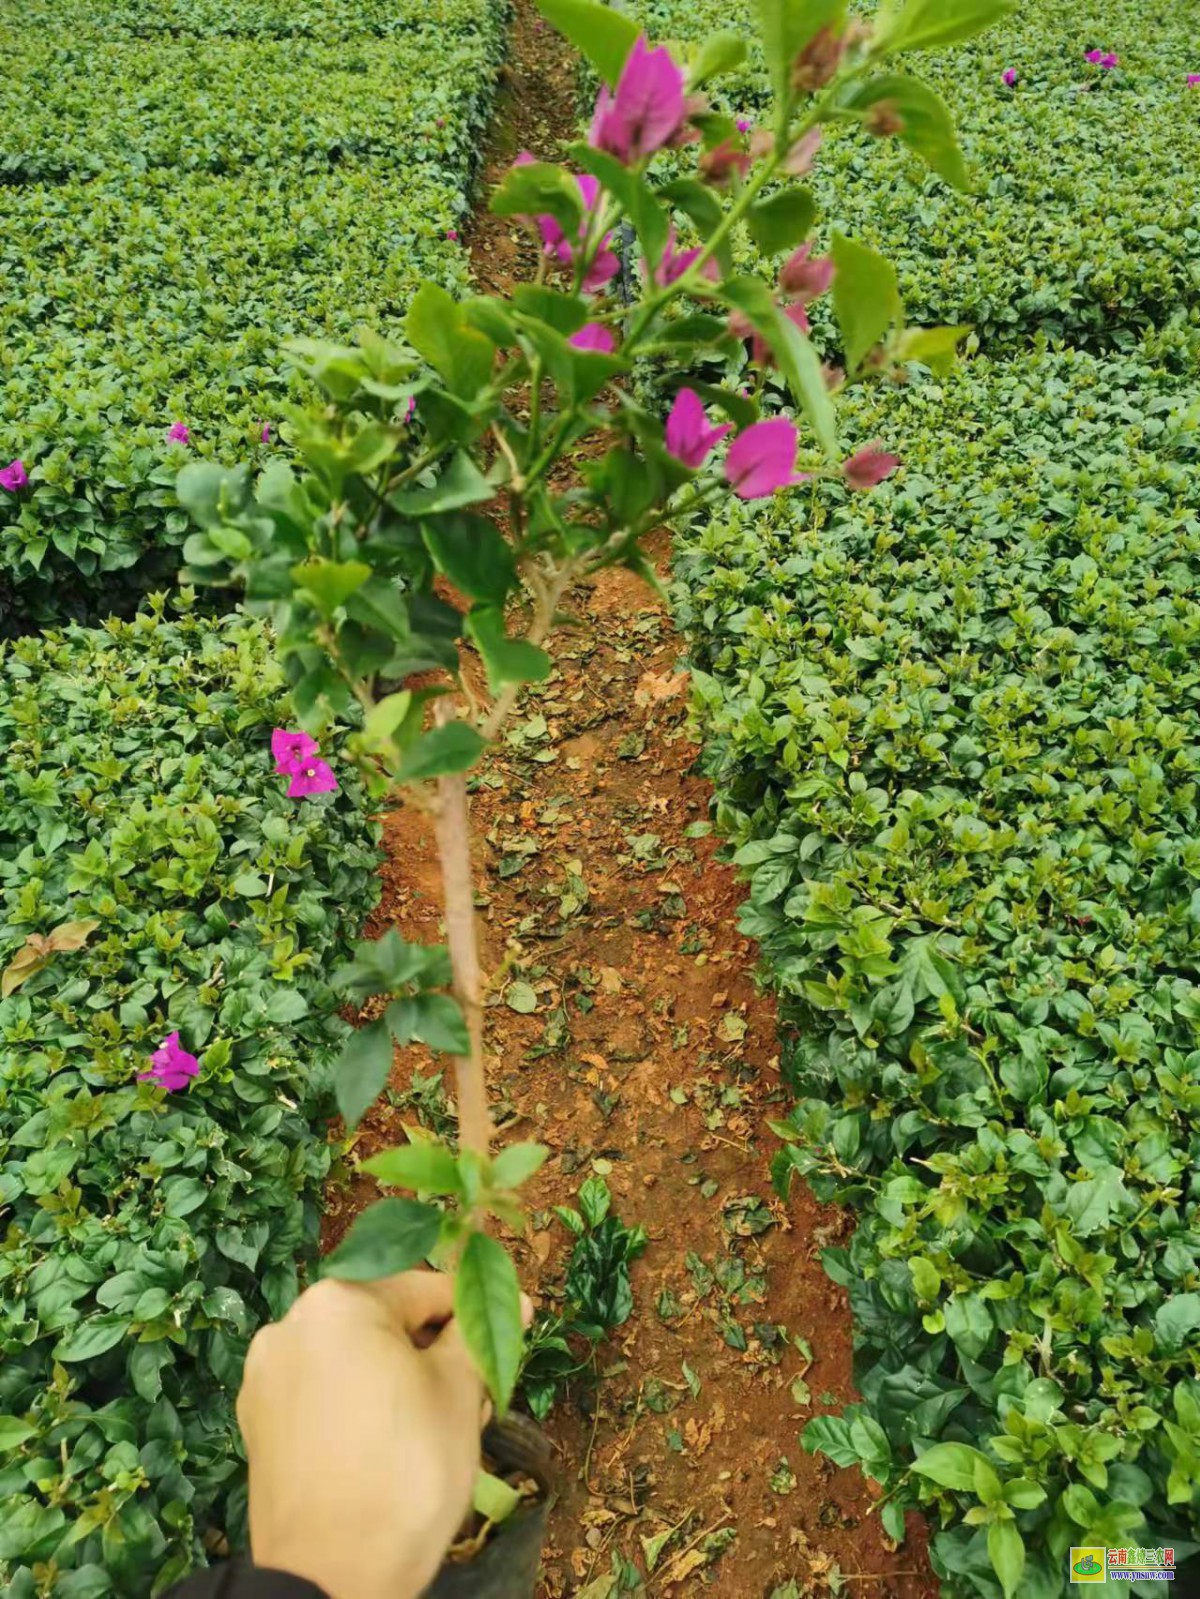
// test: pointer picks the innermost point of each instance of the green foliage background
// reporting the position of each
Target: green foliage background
(145, 1237)
(181, 191)
(954, 730)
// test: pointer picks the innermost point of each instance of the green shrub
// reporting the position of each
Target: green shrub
(147, 1235)
(1087, 224)
(172, 215)
(955, 728)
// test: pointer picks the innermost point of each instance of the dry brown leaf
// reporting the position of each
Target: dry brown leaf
(684, 1566)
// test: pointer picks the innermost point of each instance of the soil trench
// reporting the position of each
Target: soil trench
(650, 1059)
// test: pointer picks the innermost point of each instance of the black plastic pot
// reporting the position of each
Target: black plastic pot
(507, 1566)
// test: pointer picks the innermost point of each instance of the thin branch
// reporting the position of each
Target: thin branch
(453, 830)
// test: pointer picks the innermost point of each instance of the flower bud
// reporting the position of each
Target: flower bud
(817, 63)
(883, 119)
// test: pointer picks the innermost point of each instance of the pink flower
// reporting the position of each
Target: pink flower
(674, 263)
(1009, 77)
(594, 336)
(604, 265)
(1108, 62)
(265, 435)
(869, 466)
(800, 157)
(313, 776)
(452, 235)
(744, 124)
(690, 438)
(1095, 57)
(171, 1067)
(763, 459)
(717, 165)
(647, 109)
(409, 409)
(1193, 80)
(14, 476)
(803, 278)
(179, 433)
(291, 750)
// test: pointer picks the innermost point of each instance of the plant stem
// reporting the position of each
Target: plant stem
(453, 831)
(546, 601)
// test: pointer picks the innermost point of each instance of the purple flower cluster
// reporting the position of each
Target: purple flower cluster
(296, 757)
(171, 1067)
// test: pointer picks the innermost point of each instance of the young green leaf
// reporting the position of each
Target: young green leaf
(866, 300)
(454, 747)
(516, 1164)
(392, 1235)
(493, 1498)
(928, 24)
(781, 222)
(362, 1070)
(950, 1465)
(438, 330)
(1006, 1551)
(925, 123)
(604, 35)
(425, 1167)
(720, 53)
(487, 1307)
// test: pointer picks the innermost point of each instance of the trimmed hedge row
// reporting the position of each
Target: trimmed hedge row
(954, 726)
(172, 215)
(147, 1235)
(1087, 223)
(241, 19)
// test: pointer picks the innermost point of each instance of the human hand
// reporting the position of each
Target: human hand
(361, 1412)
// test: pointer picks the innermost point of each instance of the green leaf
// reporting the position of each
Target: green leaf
(720, 53)
(795, 355)
(472, 552)
(362, 1070)
(541, 187)
(392, 1235)
(781, 222)
(14, 1432)
(453, 747)
(425, 1167)
(461, 484)
(866, 300)
(1024, 1494)
(438, 330)
(331, 583)
(1006, 1551)
(494, 1499)
(508, 660)
(516, 1164)
(91, 1337)
(487, 1307)
(950, 1465)
(384, 717)
(927, 1280)
(565, 313)
(830, 1435)
(935, 348)
(928, 126)
(928, 24)
(786, 26)
(433, 1019)
(595, 1200)
(383, 965)
(1175, 1320)
(1090, 1204)
(604, 36)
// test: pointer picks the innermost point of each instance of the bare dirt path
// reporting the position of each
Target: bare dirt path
(651, 1059)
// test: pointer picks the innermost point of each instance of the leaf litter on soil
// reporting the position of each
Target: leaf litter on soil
(624, 1029)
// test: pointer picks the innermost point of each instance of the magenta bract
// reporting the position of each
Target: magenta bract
(14, 476)
(646, 111)
(763, 459)
(690, 437)
(869, 466)
(171, 1067)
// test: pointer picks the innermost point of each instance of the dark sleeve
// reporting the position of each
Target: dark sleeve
(237, 1579)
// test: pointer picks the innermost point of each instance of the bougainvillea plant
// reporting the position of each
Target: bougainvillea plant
(452, 465)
